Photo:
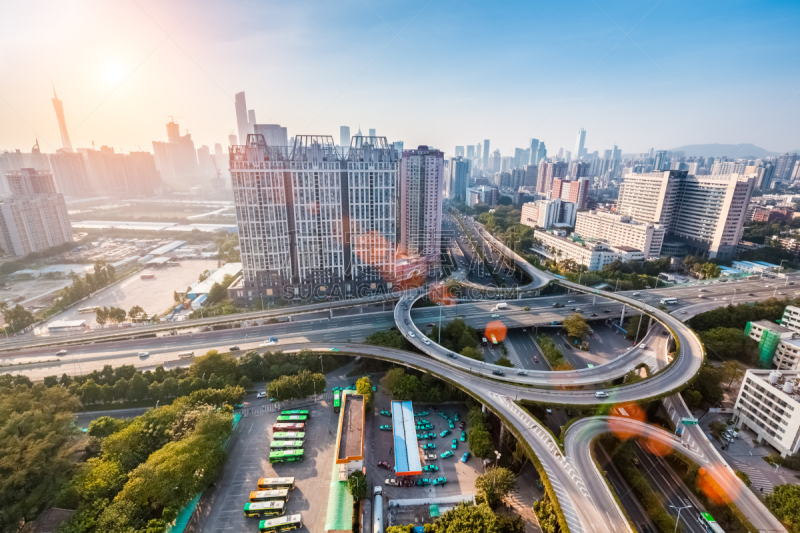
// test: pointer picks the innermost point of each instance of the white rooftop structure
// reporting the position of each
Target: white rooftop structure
(234, 269)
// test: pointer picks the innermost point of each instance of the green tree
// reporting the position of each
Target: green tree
(364, 387)
(730, 371)
(504, 361)
(213, 362)
(744, 477)
(138, 388)
(357, 482)
(391, 338)
(466, 517)
(251, 365)
(495, 484)
(730, 343)
(784, 502)
(576, 326)
(104, 426)
(101, 316)
(472, 353)
(136, 312)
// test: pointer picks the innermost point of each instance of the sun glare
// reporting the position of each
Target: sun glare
(114, 73)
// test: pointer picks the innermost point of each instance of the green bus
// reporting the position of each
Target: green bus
(285, 444)
(296, 412)
(292, 418)
(269, 508)
(276, 483)
(286, 456)
(284, 523)
(337, 401)
(289, 435)
(268, 495)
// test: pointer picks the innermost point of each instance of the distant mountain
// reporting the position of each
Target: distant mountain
(735, 151)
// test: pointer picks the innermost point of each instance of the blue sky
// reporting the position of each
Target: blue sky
(439, 72)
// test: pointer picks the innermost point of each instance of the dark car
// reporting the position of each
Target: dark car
(594, 314)
(233, 349)
(406, 321)
(498, 373)
(644, 529)
(606, 310)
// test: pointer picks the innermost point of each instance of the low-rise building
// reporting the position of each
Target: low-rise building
(773, 214)
(594, 255)
(350, 437)
(778, 344)
(754, 267)
(769, 405)
(621, 230)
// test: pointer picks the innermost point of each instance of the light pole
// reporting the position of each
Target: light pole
(497, 458)
(320, 365)
(734, 296)
(677, 520)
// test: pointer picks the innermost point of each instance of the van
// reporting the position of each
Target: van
(601, 394)
(636, 294)
(500, 306)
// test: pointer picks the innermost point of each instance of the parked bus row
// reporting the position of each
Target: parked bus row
(270, 501)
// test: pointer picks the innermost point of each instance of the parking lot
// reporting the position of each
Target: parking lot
(248, 460)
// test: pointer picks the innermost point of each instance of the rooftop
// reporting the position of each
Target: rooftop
(350, 444)
(406, 450)
(775, 328)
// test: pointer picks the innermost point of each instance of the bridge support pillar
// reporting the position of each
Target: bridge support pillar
(622, 317)
(483, 408)
(502, 433)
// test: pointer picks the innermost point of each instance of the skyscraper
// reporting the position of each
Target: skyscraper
(242, 121)
(232, 140)
(542, 153)
(784, 166)
(616, 153)
(534, 151)
(486, 154)
(176, 159)
(660, 161)
(312, 223)
(580, 143)
(459, 152)
(470, 152)
(344, 137)
(66, 145)
(457, 178)
(372, 132)
(251, 117)
(420, 215)
(274, 134)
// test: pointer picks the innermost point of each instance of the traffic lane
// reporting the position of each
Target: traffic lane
(525, 350)
(629, 502)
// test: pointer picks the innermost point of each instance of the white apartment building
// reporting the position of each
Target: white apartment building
(311, 223)
(769, 405)
(621, 230)
(594, 255)
(545, 214)
(34, 218)
(778, 344)
(421, 196)
(706, 213)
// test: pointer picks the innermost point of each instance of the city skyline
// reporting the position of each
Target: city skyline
(185, 60)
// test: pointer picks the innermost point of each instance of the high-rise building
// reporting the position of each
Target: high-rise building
(457, 178)
(541, 213)
(660, 161)
(534, 151)
(705, 213)
(372, 132)
(176, 159)
(470, 152)
(251, 117)
(114, 174)
(420, 215)
(344, 137)
(486, 154)
(531, 172)
(621, 230)
(232, 140)
(547, 172)
(241, 117)
(580, 143)
(398, 146)
(579, 169)
(70, 175)
(542, 152)
(274, 134)
(66, 145)
(784, 166)
(616, 153)
(574, 191)
(34, 218)
(728, 167)
(478, 151)
(313, 223)
(459, 151)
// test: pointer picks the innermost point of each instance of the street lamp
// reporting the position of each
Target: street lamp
(734, 296)
(679, 515)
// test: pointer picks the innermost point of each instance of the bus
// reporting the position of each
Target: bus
(337, 401)
(288, 426)
(296, 412)
(89, 309)
(268, 483)
(270, 495)
(185, 355)
(494, 340)
(269, 509)
(286, 444)
(292, 418)
(286, 456)
(289, 435)
(669, 301)
(284, 523)
(708, 522)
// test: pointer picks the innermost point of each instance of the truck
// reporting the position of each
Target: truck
(500, 306)
(377, 521)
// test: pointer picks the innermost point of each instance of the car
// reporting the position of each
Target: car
(570, 301)
(384, 465)
(261, 394)
(333, 349)
(750, 294)
(535, 359)
(386, 413)
(455, 417)
(352, 386)
(421, 413)
(664, 332)
(463, 437)
(391, 481)
(635, 294)
(431, 456)
(440, 480)
(426, 341)
(642, 345)
(549, 411)
(498, 373)
(644, 529)
(385, 427)
(446, 454)
(462, 425)
(683, 312)
(725, 298)
(411, 334)
(234, 349)
(444, 433)
(606, 310)
(601, 394)
(455, 444)
(407, 322)
(779, 292)
(423, 481)
(578, 311)
(61, 352)
(465, 457)
(495, 316)
(573, 308)
(594, 314)
(451, 354)
(429, 446)
(144, 354)
(450, 423)
(521, 373)
(339, 388)
(270, 342)
(430, 468)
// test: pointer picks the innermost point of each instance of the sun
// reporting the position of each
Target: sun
(114, 73)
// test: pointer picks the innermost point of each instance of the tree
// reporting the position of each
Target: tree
(784, 502)
(104, 426)
(472, 353)
(724, 343)
(744, 477)
(480, 442)
(730, 371)
(135, 312)
(504, 361)
(301, 385)
(18, 318)
(466, 517)
(495, 484)
(101, 316)
(251, 365)
(213, 362)
(576, 326)
(364, 387)
(357, 482)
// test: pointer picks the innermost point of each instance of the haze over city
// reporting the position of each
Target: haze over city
(652, 74)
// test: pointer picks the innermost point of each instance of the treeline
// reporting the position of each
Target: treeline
(553, 355)
(458, 337)
(301, 385)
(104, 274)
(148, 469)
(272, 365)
(737, 316)
(478, 436)
(405, 385)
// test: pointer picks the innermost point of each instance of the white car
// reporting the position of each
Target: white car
(411, 334)
(391, 482)
(261, 394)
(143, 354)
(642, 346)
(61, 352)
(683, 312)
(601, 394)
(426, 341)
(268, 343)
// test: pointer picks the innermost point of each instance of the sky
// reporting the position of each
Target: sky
(640, 73)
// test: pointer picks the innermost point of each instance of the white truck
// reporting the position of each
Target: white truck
(500, 306)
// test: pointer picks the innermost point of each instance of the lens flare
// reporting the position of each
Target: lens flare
(619, 426)
(114, 73)
(496, 328)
